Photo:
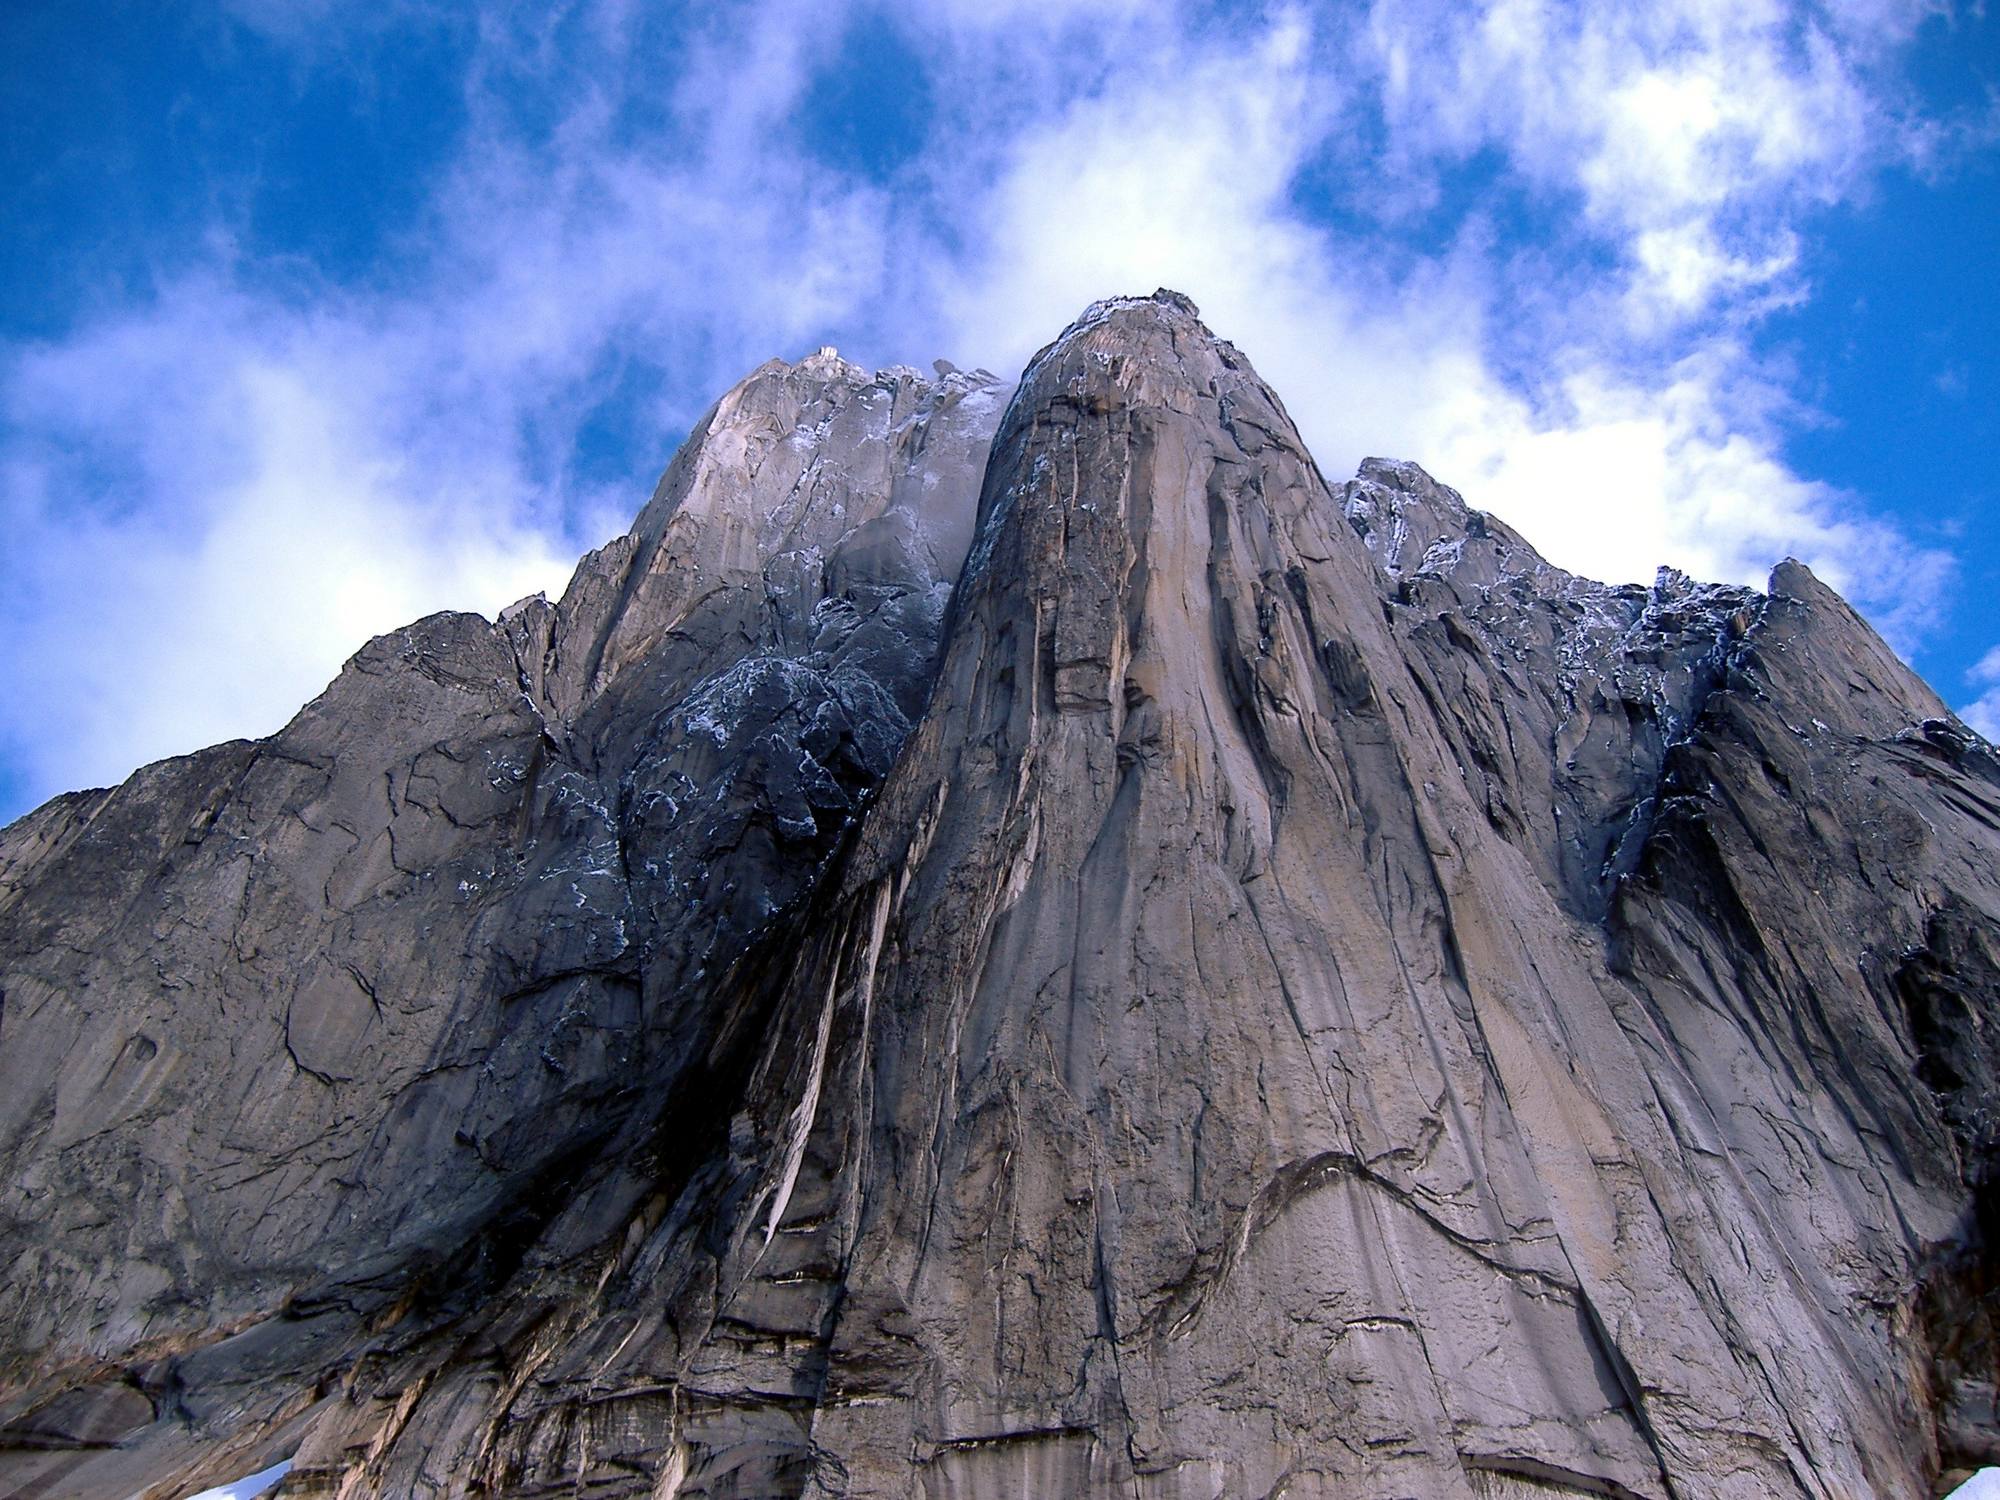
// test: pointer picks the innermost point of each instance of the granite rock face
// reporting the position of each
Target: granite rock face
(314, 1026)
(1256, 988)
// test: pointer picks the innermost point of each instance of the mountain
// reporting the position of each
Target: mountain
(1026, 946)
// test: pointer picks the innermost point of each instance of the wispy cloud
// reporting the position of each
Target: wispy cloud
(1180, 172)
(215, 492)
(1690, 132)
(1983, 712)
(212, 503)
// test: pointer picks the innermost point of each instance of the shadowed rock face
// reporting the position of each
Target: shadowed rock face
(327, 1024)
(1269, 989)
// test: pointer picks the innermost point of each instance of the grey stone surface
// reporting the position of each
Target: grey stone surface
(1271, 989)
(296, 1033)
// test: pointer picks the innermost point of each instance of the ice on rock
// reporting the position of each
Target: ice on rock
(250, 1486)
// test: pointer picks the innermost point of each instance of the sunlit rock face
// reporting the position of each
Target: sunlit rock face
(1051, 953)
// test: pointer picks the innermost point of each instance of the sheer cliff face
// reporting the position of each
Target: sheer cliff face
(328, 1022)
(1269, 990)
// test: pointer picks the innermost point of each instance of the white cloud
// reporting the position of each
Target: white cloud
(1692, 132)
(1983, 712)
(1611, 472)
(282, 519)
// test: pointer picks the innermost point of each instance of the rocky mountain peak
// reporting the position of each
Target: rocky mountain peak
(1414, 525)
(983, 952)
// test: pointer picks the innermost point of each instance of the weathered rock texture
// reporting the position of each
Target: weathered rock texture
(1270, 990)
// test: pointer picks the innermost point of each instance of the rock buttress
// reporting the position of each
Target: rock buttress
(309, 1034)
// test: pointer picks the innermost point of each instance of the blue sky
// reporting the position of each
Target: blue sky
(317, 317)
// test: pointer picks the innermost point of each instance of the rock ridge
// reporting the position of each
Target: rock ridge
(1176, 978)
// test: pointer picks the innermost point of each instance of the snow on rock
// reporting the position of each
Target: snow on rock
(249, 1486)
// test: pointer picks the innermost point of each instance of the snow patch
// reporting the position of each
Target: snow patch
(249, 1486)
(1442, 557)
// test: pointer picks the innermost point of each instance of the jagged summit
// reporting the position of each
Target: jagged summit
(1042, 950)
(1163, 304)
